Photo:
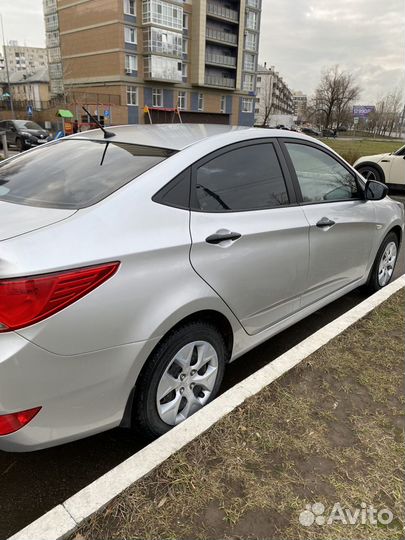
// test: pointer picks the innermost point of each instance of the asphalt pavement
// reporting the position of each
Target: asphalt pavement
(33, 483)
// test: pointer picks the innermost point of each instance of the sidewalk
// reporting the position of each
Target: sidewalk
(329, 431)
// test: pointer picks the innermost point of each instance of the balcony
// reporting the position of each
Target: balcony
(221, 37)
(220, 60)
(221, 12)
(221, 82)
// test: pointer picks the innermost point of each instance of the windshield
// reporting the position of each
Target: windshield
(27, 124)
(74, 173)
(400, 152)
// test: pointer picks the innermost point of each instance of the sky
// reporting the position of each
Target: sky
(299, 37)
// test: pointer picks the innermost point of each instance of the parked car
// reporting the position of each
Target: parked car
(388, 168)
(24, 134)
(134, 268)
(310, 131)
(328, 133)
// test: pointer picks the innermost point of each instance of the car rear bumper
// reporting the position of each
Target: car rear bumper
(80, 395)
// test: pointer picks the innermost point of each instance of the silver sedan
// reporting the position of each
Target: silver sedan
(134, 267)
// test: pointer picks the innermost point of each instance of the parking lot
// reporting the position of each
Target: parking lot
(33, 483)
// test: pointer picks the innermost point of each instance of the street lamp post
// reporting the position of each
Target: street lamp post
(10, 91)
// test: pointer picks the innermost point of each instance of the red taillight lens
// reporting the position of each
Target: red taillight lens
(9, 423)
(25, 301)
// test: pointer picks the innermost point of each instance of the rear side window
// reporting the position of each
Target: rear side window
(74, 173)
(247, 178)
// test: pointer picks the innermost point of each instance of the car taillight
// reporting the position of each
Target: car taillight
(9, 423)
(27, 300)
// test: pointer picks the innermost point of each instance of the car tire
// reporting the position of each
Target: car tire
(20, 144)
(370, 173)
(156, 411)
(384, 264)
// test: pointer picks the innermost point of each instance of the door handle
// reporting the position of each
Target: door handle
(217, 238)
(325, 222)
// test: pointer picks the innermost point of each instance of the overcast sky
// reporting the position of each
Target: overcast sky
(299, 37)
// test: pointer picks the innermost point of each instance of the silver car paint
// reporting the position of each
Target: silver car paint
(81, 363)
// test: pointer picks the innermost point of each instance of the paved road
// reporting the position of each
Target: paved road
(33, 483)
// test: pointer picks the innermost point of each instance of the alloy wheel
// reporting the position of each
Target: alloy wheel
(187, 383)
(387, 264)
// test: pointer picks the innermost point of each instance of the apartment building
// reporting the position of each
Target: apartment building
(273, 96)
(300, 101)
(21, 59)
(137, 60)
(52, 37)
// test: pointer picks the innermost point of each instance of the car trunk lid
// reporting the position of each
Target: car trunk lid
(17, 219)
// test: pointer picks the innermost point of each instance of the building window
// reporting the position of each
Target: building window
(247, 105)
(184, 70)
(131, 63)
(185, 21)
(223, 104)
(163, 41)
(181, 100)
(252, 20)
(132, 95)
(185, 46)
(253, 3)
(200, 102)
(129, 7)
(248, 82)
(251, 41)
(250, 62)
(157, 97)
(163, 13)
(162, 68)
(130, 35)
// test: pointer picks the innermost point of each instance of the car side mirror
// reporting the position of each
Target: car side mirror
(376, 191)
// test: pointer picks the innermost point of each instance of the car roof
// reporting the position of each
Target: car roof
(178, 136)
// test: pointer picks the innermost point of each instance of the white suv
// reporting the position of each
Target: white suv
(388, 168)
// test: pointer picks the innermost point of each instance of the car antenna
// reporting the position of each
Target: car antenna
(107, 134)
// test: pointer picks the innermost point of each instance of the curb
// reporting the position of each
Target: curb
(66, 517)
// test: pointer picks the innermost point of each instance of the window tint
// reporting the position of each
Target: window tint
(27, 124)
(320, 176)
(177, 192)
(74, 173)
(246, 178)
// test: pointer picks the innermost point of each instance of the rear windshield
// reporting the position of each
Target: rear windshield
(27, 124)
(74, 173)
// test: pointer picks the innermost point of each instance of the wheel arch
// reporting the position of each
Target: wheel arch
(374, 165)
(212, 316)
(398, 231)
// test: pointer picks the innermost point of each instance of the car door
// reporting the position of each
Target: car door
(342, 223)
(249, 237)
(397, 172)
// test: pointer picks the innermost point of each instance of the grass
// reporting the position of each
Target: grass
(329, 430)
(353, 150)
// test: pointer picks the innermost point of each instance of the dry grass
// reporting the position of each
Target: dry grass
(330, 430)
(351, 151)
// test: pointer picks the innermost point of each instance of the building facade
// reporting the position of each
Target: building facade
(273, 96)
(28, 90)
(300, 101)
(52, 36)
(20, 59)
(137, 60)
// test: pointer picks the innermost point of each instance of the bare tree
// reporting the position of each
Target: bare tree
(334, 96)
(387, 117)
(267, 98)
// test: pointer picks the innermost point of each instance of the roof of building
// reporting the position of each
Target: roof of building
(179, 136)
(20, 77)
